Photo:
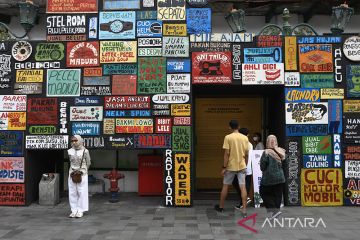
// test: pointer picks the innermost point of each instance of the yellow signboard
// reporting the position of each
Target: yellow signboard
(109, 126)
(118, 51)
(332, 93)
(290, 54)
(321, 187)
(180, 109)
(13, 120)
(175, 29)
(182, 180)
(351, 106)
(29, 75)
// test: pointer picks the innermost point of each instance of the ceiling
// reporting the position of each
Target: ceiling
(267, 8)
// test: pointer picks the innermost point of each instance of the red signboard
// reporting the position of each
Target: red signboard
(42, 111)
(12, 194)
(93, 72)
(82, 54)
(211, 67)
(72, 6)
(163, 125)
(124, 84)
(182, 121)
(127, 102)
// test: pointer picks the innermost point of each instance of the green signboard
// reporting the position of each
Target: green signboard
(152, 75)
(316, 145)
(321, 80)
(181, 138)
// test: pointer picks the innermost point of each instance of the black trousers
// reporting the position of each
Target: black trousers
(235, 184)
(272, 196)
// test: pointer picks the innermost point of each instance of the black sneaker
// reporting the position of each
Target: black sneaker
(218, 208)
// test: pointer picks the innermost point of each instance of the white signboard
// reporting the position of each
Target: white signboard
(88, 113)
(149, 52)
(149, 42)
(178, 83)
(170, 98)
(306, 113)
(47, 142)
(263, 74)
(292, 79)
(351, 48)
(175, 47)
(254, 157)
(222, 37)
(352, 169)
(13, 103)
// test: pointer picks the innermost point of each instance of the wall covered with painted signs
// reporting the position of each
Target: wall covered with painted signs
(120, 74)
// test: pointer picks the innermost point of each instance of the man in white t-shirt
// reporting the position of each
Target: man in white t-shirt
(248, 178)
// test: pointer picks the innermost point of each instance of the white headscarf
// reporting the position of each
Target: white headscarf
(79, 144)
(273, 150)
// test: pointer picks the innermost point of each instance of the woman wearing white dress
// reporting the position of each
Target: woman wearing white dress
(78, 192)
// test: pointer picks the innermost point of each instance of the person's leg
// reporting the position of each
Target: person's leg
(235, 184)
(83, 201)
(227, 181)
(241, 178)
(73, 196)
(248, 181)
(278, 195)
(223, 195)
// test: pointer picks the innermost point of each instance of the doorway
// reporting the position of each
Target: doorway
(212, 124)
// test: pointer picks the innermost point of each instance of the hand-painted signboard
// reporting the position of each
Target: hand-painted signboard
(66, 27)
(120, 5)
(222, 37)
(182, 121)
(182, 180)
(122, 141)
(335, 116)
(42, 111)
(12, 120)
(152, 141)
(96, 81)
(263, 74)
(321, 187)
(178, 83)
(315, 58)
(12, 170)
(214, 67)
(134, 125)
(198, 20)
(351, 106)
(317, 80)
(353, 80)
(352, 192)
(88, 113)
(47, 142)
(118, 52)
(337, 149)
(148, 28)
(316, 145)
(42, 129)
(306, 113)
(163, 125)
(124, 84)
(12, 194)
(117, 25)
(29, 75)
(86, 129)
(11, 143)
(352, 169)
(181, 138)
(72, 6)
(171, 10)
(306, 130)
(174, 29)
(152, 75)
(262, 55)
(302, 95)
(351, 48)
(95, 90)
(292, 79)
(82, 54)
(12, 102)
(293, 148)
(351, 128)
(149, 42)
(49, 52)
(317, 161)
(175, 47)
(109, 126)
(180, 109)
(127, 102)
(63, 82)
(170, 98)
(290, 54)
(178, 65)
(332, 93)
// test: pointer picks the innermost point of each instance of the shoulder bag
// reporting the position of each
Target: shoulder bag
(77, 174)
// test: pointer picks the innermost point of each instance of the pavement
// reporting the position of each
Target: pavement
(145, 218)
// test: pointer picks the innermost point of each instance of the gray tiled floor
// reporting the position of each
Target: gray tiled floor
(145, 218)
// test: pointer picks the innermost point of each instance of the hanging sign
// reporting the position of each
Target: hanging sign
(72, 6)
(47, 142)
(351, 48)
(66, 28)
(12, 169)
(82, 54)
(263, 74)
(214, 67)
(11, 143)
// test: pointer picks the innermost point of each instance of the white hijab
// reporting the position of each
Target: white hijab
(79, 145)
(273, 149)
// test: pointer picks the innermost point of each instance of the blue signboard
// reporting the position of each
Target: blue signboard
(262, 55)
(335, 116)
(294, 130)
(337, 150)
(85, 101)
(11, 143)
(317, 161)
(302, 95)
(117, 25)
(198, 20)
(119, 69)
(149, 28)
(86, 129)
(127, 113)
(318, 39)
(178, 65)
(120, 5)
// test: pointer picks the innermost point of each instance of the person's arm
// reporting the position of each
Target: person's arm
(87, 158)
(264, 161)
(226, 158)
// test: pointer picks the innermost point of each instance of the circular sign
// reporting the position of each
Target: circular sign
(351, 48)
(21, 50)
(197, 3)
